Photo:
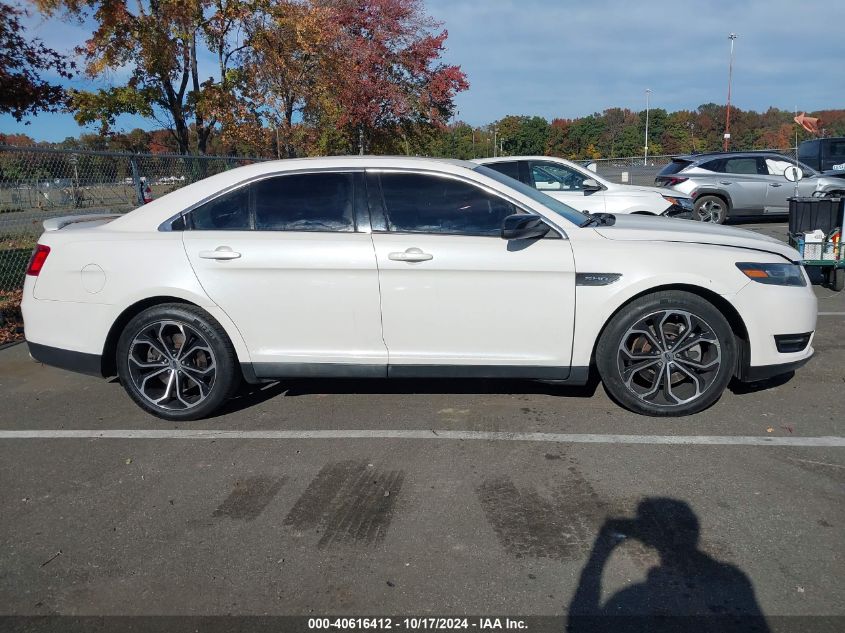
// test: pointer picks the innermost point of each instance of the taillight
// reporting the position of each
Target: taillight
(671, 181)
(36, 262)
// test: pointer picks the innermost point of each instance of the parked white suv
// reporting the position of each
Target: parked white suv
(379, 267)
(585, 190)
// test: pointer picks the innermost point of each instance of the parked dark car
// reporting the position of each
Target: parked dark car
(823, 154)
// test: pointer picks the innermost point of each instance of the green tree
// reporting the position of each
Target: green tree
(158, 42)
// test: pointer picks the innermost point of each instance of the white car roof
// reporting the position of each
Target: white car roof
(508, 159)
(153, 214)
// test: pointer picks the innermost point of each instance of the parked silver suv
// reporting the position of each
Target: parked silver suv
(731, 184)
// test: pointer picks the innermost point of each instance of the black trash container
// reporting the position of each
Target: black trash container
(809, 214)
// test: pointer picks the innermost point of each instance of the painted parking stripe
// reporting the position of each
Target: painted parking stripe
(560, 438)
(831, 313)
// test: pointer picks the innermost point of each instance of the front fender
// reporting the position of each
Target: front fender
(648, 267)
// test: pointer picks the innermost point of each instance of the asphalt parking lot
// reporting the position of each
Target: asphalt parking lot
(463, 497)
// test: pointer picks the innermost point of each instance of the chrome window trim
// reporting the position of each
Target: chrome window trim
(431, 172)
(166, 226)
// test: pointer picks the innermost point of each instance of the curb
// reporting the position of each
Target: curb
(12, 344)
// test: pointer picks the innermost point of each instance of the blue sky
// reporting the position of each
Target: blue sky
(568, 59)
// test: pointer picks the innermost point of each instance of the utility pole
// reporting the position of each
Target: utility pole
(495, 147)
(731, 37)
(645, 153)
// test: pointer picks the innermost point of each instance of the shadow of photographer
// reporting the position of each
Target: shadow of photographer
(688, 591)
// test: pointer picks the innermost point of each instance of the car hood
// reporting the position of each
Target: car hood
(832, 173)
(635, 189)
(652, 229)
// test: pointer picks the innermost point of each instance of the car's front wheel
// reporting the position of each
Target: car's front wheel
(175, 361)
(710, 209)
(671, 353)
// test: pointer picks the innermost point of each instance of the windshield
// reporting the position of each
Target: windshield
(576, 217)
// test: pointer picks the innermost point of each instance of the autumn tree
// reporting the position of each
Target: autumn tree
(23, 91)
(391, 72)
(290, 58)
(159, 41)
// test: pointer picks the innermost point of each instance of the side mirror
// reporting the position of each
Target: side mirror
(589, 185)
(793, 173)
(524, 226)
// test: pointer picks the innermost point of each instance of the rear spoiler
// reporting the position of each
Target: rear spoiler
(56, 224)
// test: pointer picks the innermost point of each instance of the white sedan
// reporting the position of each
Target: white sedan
(585, 190)
(400, 267)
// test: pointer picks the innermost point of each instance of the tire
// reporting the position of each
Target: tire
(836, 279)
(710, 209)
(632, 358)
(168, 380)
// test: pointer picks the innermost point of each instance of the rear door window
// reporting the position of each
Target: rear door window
(747, 165)
(305, 202)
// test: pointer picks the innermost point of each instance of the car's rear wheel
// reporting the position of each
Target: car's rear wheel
(176, 362)
(671, 353)
(711, 209)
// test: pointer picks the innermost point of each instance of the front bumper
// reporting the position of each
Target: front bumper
(772, 315)
(755, 374)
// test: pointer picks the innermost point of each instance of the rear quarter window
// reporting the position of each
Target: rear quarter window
(717, 165)
(674, 167)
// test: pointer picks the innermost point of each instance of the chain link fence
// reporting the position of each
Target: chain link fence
(41, 183)
(36, 184)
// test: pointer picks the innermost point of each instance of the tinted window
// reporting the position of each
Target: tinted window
(716, 165)
(304, 202)
(808, 150)
(741, 166)
(834, 149)
(508, 169)
(554, 177)
(563, 210)
(229, 212)
(674, 167)
(429, 204)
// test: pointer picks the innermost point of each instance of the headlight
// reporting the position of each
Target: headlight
(684, 203)
(775, 274)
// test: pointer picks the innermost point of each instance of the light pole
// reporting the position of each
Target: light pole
(731, 37)
(645, 154)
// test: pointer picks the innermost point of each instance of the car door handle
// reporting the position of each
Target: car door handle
(410, 255)
(774, 184)
(725, 182)
(221, 252)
